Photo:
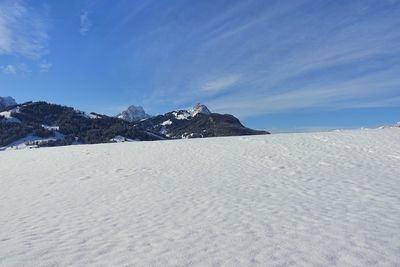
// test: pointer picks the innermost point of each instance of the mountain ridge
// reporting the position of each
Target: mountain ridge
(36, 124)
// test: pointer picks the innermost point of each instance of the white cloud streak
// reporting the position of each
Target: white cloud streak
(344, 62)
(45, 66)
(220, 84)
(23, 30)
(86, 23)
(377, 90)
(20, 68)
(289, 55)
(9, 69)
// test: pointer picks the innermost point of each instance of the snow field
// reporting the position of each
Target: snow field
(315, 199)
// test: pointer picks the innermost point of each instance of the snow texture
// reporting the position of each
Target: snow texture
(93, 116)
(167, 122)
(182, 115)
(315, 199)
(190, 113)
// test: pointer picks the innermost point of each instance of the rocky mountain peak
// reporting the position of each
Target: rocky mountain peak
(133, 113)
(199, 108)
(7, 101)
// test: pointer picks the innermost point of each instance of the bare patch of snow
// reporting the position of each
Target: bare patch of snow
(167, 122)
(90, 115)
(51, 128)
(121, 139)
(8, 115)
(164, 125)
(182, 115)
(93, 116)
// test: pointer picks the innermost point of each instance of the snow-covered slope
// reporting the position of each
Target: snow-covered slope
(31, 141)
(8, 116)
(133, 113)
(315, 199)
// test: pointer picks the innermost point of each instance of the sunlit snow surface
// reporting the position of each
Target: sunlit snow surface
(8, 116)
(315, 199)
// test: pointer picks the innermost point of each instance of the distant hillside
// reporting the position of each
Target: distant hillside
(196, 122)
(35, 124)
(44, 120)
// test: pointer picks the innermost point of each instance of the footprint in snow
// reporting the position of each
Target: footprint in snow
(324, 163)
(85, 178)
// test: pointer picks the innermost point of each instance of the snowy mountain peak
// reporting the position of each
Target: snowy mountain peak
(133, 113)
(7, 101)
(199, 108)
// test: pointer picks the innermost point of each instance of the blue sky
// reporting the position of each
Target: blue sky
(280, 65)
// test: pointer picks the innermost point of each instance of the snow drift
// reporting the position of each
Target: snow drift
(316, 199)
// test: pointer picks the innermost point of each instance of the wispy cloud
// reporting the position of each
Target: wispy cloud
(12, 69)
(9, 69)
(86, 23)
(259, 57)
(23, 30)
(292, 57)
(45, 66)
(221, 83)
(374, 90)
